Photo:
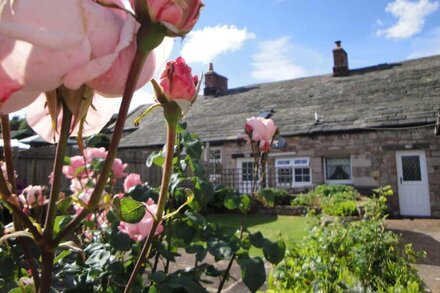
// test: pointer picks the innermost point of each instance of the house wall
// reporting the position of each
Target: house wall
(373, 157)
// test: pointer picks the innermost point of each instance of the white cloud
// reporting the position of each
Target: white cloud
(410, 16)
(205, 45)
(426, 46)
(273, 61)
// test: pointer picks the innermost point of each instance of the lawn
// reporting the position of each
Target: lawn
(272, 226)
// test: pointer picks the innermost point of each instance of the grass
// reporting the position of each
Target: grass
(271, 226)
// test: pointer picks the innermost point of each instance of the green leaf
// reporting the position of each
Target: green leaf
(196, 166)
(120, 241)
(194, 149)
(61, 255)
(199, 250)
(274, 251)
(181, 127)
(99, 258)
(232, 201)
(185, 232)
(67, 161)
(195, 217)
(63, 205)
(142, 193)
(155, 158)
(257, 239)
(61, 222)
(244, 204)
(253, 272)
(203, 191)
(132, 211)
(221, 249)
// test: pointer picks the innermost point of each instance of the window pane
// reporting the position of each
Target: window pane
(247, 170)
(284, 175)
(302, 174)
(338, 168)
(411, 168)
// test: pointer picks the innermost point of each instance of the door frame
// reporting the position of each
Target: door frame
(424, 180)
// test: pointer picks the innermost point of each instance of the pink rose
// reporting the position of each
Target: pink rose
(132, 180)
(177, 81)
(92, 153)
(82, 43)
(260, 130)
(140, 230)
(118, 168)
(73, 170)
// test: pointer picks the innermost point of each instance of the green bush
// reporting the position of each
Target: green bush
(359, 256)
(334, 200)
(272, 196)
(340, 208)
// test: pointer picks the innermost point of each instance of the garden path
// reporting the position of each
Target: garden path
(424, 234)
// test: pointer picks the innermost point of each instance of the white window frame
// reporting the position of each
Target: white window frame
(293, 163)
(336, 181)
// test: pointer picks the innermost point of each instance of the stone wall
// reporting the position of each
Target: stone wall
(372, 153)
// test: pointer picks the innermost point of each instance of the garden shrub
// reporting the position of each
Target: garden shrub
(359, 256)
(334, 200)
(273, 196)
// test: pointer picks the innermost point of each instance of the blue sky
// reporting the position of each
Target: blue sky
(254, 41)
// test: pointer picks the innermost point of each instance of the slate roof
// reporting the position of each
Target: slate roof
(387, 95)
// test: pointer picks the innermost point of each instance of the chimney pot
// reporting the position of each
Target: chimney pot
(215, 84)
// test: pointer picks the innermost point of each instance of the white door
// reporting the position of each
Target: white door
(412, 181)
(245, 173)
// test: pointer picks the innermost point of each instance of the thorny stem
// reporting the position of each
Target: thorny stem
(57, 171)
(136, 67)
(47, 251)
(7, 153)
(172, 115)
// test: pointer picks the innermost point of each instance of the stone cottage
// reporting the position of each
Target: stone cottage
(366, 127)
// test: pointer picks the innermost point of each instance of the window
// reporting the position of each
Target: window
(247, 171)
(293, 172)
(338, 170)
(215, 164)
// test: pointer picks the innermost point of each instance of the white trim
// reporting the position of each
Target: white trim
(276, 155)
(333, 181)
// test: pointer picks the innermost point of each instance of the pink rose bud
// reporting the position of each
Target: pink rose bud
(177, 81)
(179, 17)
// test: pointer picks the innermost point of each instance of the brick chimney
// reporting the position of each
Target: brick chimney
(215, 84)
(340, 60)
